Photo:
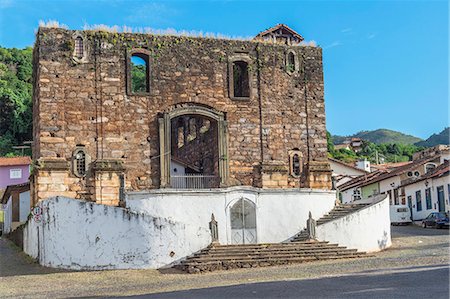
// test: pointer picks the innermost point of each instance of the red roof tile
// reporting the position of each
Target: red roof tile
(11, 161)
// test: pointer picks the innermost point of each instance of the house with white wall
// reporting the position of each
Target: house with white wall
(388, 181)
(343, 172)
(429, 193)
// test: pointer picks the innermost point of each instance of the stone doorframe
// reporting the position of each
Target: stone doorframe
(165, 140)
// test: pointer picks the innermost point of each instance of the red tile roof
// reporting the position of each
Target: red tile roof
(11, 161)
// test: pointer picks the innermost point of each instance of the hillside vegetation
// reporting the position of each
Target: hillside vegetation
(381, 153)
(380, 136)
(435, 139)
(15, 98)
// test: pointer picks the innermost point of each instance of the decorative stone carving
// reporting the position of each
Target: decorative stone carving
(214, 230)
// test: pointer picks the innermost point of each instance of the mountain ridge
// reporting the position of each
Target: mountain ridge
(380, 136)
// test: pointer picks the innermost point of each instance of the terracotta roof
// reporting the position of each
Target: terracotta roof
(11, 161)
(383, 174)
(390, 165)
(283, 26)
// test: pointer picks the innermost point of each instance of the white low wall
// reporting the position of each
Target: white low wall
(368, 229)
(81, 235)
(280, 213)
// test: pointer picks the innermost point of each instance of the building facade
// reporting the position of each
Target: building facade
(118, 112)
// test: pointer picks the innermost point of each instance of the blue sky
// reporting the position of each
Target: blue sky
(385, 62)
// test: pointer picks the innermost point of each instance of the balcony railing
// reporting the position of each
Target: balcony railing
(194, 181)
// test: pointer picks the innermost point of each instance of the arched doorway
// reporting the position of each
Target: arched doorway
(243, 222)
(193, 147)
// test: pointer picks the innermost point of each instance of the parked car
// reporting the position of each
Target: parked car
(436, 219)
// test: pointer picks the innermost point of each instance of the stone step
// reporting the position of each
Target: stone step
(258, 252)
(271, 255)
(195, 267)
(282, 248)
(267, 244)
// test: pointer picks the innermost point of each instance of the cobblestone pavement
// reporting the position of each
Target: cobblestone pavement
(20, 277)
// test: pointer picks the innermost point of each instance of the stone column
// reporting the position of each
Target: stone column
(318, 175)
(51, 177)
(107, 174)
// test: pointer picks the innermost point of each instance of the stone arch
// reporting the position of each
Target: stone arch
(165, 139)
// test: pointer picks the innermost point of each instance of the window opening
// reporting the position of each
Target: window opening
(139, 73)
(418, 200)
(291, 62)
(428, 198)
(241, 79)
(296, 165)
(79, 47)
(80, 163)
(429, 167)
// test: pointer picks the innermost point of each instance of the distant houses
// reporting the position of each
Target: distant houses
(421, 184)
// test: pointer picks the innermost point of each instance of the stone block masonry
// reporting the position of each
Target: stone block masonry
(86, 102)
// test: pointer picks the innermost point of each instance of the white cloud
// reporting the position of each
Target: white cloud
(371, 35)
(346, 30)
(333, 44)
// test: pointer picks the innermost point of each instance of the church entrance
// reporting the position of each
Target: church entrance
(243, 222)
(193, 147)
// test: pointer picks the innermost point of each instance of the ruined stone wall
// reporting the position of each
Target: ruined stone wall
(200, 152)
(85, 102)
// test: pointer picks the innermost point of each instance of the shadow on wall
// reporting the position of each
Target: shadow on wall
(382, 244)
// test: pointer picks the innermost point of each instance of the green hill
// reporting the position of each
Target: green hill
(435, 139)
(380, 136)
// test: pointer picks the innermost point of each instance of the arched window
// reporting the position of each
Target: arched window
(80, 162)
(429, 167)
(295, 162)
(292, 64)
(241, 87)
(139, 72)
(79, 47)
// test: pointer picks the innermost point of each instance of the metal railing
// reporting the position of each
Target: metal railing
(194, 181)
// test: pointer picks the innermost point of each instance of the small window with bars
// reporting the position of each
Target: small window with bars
(79, 162)
(79, 47)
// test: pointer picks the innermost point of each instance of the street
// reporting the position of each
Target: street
(411, 283)
(415, 266)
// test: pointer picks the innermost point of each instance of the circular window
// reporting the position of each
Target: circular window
(416, 173)
(410, 174)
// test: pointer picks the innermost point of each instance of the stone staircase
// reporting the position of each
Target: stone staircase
(224, 257)
(339, 211)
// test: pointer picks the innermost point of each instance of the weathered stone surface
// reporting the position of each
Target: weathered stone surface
(87, 103)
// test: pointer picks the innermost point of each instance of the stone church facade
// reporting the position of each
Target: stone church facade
(121, 112)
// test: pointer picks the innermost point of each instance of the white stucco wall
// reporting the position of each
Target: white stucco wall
(368, 230)
(7, 216)
(410, 190)
(339, 169)
(24, 206)
(81, 235)
(280, 213)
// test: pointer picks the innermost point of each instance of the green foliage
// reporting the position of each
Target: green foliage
(387, 152)
(138, 78)
(15, 98)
